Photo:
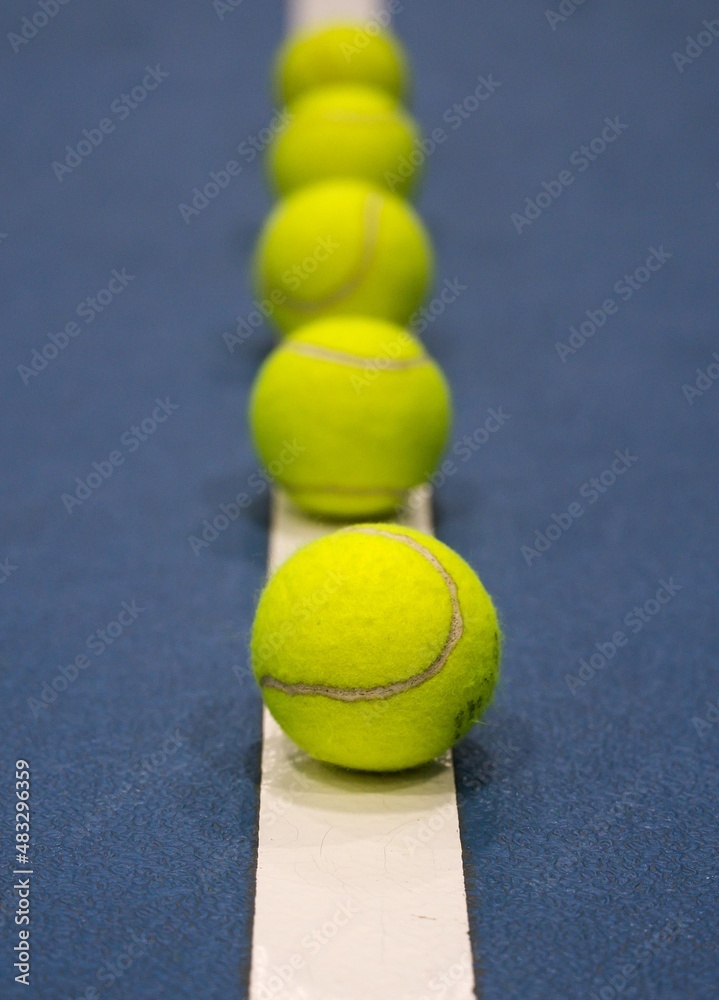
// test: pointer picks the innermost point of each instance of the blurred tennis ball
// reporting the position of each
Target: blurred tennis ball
(342, 247)
(351, 52)
(358, 410)
(345, 131)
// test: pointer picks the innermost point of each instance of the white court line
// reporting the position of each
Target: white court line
(360, 885)
(306, 13)
(360, 890)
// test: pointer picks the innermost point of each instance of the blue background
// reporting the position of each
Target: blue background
(589, 817)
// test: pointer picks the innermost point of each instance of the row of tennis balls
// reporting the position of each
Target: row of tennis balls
(343, 98)
(343, 86)
(341, 243)
(376, 647)
(344, 264)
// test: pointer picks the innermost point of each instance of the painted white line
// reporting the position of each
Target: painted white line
(306, 13)
(360, 886)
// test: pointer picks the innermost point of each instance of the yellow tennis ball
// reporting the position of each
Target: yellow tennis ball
(342, 247)
(345, 131)
(350, 52)
(376, 647)
(349, 414)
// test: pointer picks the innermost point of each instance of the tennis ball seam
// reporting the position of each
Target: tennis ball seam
(456, 631)
(372, 210)
(355, 360)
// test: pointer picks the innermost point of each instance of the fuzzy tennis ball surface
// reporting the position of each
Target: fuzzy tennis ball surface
(340, 53)
(342, 247)
(345, 131)
(376, 648)
(348, 414)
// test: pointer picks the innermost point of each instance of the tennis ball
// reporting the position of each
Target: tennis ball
(340, 53)
(342, 247)
(345, 131)
(348, 414)
(376, 647)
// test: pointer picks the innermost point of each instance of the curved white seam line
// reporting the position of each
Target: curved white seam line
(355, 360)
(372, 212)
(398, 687)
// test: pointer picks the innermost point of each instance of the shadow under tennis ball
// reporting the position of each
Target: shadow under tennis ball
(313, 781)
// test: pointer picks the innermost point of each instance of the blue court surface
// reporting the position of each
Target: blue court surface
(574, 204)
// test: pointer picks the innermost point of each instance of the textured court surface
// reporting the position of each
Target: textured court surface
(588, 814)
